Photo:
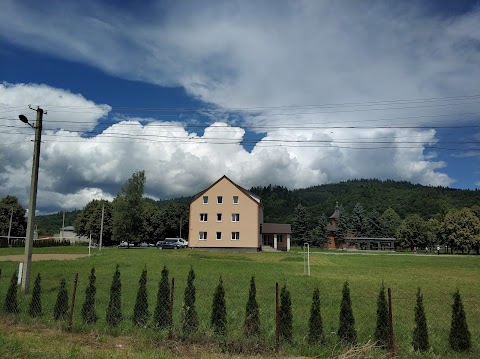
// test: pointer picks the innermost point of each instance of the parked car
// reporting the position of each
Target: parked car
(172, 243)
(126, 244)
(159, 244)
(143, 244)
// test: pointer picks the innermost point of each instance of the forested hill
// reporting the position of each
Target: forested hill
(403, 197)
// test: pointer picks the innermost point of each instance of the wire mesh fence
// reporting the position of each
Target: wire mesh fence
(183, 304)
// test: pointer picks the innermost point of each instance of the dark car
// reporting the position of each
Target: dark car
(171, 243)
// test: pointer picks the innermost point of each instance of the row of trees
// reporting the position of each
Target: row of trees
(10, 208)
(459, 338)
(130, 217)
(459, 229)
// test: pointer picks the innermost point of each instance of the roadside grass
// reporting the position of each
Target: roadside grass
(438, 277)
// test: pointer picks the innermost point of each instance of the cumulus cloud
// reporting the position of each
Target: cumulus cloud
(309, 78)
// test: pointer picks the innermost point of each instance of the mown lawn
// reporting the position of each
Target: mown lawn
(437, 276)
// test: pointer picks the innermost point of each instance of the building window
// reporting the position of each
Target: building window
(203, 217)
(205, 199)
(219, 199)
(235, 217)
(219, 236)
(235, 199)
(219, 217)
(235, 236)
(202, 236)
(279, 238)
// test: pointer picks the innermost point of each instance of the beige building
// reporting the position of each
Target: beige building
(227, 216)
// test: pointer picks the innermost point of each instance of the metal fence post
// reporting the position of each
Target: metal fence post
(391, 339)
(277, 318)
(171, 306)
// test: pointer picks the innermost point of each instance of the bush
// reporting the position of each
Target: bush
(251, 325)
(140, 311)
(420, 332)
(114, 310)
(315, 325)
(89, 314)
(459, 338)
(218, 319)
(35, 308)
(162, 310)
(189, 313)
(286, 317)
(11, 304)
(346, 330)
(61, 306)
(382, 328)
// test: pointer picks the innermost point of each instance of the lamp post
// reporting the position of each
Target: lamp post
(27, 263)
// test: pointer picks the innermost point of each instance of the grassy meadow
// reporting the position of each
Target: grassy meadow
(437, 276)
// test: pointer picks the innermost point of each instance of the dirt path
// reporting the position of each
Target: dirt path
(43, 257)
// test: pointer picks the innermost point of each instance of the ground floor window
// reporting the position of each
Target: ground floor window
(219, 236)
(202, 236)
(235, 236)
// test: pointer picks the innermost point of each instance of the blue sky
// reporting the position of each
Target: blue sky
(275, 92)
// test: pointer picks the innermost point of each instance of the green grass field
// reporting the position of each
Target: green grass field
(437, 276)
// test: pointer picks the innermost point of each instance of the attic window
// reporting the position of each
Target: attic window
(205, 199)
(219, 199)
(235, 199)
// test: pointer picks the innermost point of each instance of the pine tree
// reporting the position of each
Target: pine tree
(315, 325)
(11, 304)
(162, 310)
(382, 328)
(35, 308)
(346, 330)
(459, 338)
(358, 220)
(251, 326)
(299, 225)
(420, 332)
(218, 318)
(60, 312)
(189, 319)
(89, 314)
(114, 310)
(140, 311)
(286, 317)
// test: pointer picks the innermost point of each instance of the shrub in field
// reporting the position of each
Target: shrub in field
(218, 319)
(114, 310)
(89, 315)
(286, 317)
(382, 327)
(162, 310)
(251, 326)
(420, 332)
(140, 311)
(35, 308)
(189, 313)
(61, 305)
(459, 338)
(346, 330)
(315, 325)
(11, 304)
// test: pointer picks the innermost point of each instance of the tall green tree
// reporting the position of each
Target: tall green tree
(344, 226)
(218, 319)
(127, 209)
(460, 228)
(382, 327)
(174, 216)
(161, 315)
(114, 310)
(89, 314)
(315, 325)
(251, 325)
(346, 330)
(299, 225)
(414, 231)
(153, 226)
(375, 227)
(358, 220)
(318, 236)
(189, 317)
(19, 223)
(420, 340)
(286, 316)
(391, 221)
(89, 221)
(140, 311)
(459, 338)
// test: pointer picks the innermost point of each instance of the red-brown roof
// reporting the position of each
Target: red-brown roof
(276, 228)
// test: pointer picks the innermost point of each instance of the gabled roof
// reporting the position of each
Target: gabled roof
(252, 196)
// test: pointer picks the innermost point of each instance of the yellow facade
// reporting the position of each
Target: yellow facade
(233, 222)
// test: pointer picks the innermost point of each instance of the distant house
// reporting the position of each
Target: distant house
(227, 216)
(68, 233)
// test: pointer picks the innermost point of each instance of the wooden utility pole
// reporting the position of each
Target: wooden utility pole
(10, 227)
(27, 263)
(101, 227)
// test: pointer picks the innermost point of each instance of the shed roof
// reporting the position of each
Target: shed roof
(276, 228)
